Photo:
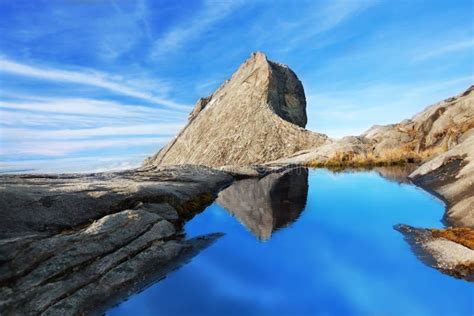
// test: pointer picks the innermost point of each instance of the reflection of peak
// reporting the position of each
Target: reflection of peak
(269, 203)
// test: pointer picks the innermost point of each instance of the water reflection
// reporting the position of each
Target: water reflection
(397, 174)
(266, 204)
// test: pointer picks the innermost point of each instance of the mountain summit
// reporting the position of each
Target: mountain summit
(257, 116)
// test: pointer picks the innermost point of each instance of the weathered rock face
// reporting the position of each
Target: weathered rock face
(442, 125)
(451, 175)
(60, 202)
(257, 116)
(78, 244)
(266, 204)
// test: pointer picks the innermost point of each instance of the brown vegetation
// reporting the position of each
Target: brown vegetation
(392, 157)
(460, 235)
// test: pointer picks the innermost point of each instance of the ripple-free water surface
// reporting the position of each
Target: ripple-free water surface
(316, 243)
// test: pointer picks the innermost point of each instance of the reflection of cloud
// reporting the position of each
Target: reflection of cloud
(234, 286)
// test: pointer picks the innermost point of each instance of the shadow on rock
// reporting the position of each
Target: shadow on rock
(266, 204)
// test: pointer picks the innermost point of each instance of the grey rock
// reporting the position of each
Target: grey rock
(60, 202)
(164, 210)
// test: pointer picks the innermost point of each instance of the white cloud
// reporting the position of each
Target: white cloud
(89, 78)
(178, 36)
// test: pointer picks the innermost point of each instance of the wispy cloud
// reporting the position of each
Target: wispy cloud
(453, 47)
(89, 107)
(168, 129)
(186, 31)
(329, 16)
(89, 78)
(54, 127)
(312, 19)
(58, 148)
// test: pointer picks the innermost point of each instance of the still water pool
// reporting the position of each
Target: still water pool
(310, 243)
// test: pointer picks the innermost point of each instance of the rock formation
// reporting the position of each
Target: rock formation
(78, 244)
(257, 116)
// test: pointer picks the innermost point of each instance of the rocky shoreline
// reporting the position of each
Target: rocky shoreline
(95, 239)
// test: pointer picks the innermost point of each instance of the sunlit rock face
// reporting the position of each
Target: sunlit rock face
(257, 116)
(269, 203)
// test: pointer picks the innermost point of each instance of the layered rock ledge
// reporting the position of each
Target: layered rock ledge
(78, 244)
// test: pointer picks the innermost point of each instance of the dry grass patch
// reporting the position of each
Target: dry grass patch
(460, 235)
(392, 157)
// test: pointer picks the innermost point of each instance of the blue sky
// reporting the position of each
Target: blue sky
(92, 85)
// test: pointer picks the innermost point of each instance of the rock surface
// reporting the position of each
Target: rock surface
(445, 255)
(61, 202)
(441, 125)
(451, 176)
(257, 116)
(78, 244)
